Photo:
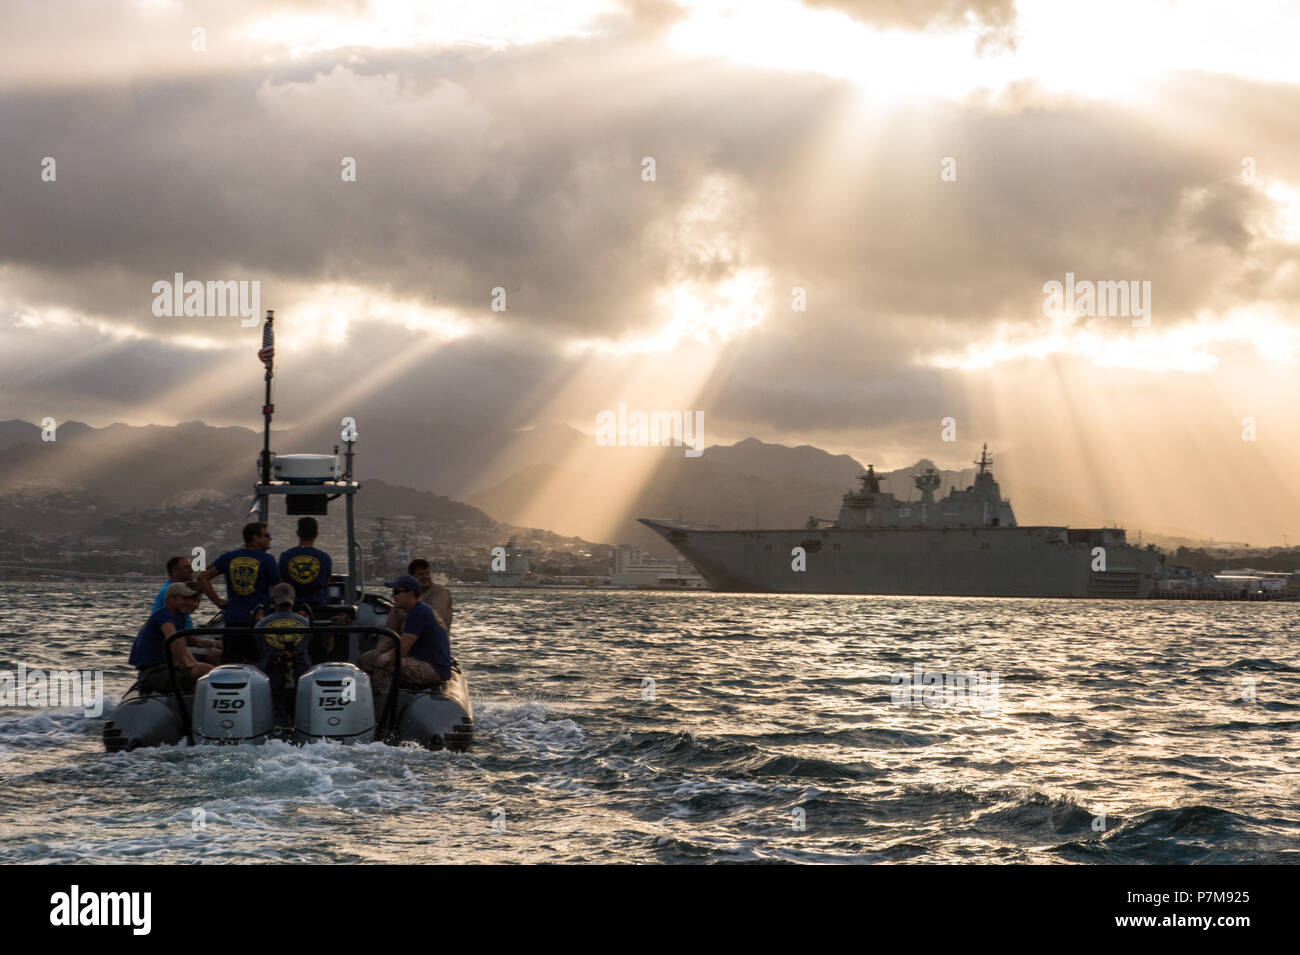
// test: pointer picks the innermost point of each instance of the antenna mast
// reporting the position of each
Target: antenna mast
(267, 354)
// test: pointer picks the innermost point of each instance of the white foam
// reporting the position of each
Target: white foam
(525, 726)
(24, 730)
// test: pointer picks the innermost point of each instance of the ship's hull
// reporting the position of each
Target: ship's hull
(975, 562)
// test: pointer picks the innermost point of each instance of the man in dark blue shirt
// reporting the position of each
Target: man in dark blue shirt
(147, 650)
(305, 566)
(426, 646)
(180, 570)
(250, 574)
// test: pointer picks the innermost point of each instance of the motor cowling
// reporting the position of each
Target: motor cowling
(335, 702)
(232, 704)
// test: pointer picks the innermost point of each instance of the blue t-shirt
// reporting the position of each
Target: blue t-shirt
(250, 575)
(161, 601)
(308, 569)
(432, 645)
(147, 651)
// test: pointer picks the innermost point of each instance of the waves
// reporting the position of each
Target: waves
(1189, 835)
(672, 796)
(719, 729)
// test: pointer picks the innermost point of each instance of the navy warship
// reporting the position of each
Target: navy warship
(966, 544)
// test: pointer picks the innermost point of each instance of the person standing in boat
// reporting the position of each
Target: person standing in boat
(147, 650)
(426, 645)
(250, 574)
(306, 566)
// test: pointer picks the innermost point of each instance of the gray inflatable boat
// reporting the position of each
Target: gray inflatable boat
(238, 703)
(332, 701)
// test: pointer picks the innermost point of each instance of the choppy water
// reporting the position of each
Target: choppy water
(772, 736)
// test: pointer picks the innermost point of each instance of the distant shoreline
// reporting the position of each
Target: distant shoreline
(377, 587)
(373, 587)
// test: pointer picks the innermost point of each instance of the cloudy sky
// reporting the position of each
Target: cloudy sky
(916, 172)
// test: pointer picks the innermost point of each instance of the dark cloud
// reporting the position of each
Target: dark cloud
(521, 168)
(466, 182)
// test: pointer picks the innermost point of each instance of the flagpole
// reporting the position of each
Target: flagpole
(268, 409)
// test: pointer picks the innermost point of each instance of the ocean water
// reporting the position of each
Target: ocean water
(703, 728)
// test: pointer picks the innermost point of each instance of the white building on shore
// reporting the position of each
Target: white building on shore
(634, 568)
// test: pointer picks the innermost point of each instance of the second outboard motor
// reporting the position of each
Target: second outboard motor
(232, 704)
(335, 703)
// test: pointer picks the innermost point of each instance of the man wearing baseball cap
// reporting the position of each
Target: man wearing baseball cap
(435, 595)
(147, 650)
(180, 570)
(279, 647)
(426, 646)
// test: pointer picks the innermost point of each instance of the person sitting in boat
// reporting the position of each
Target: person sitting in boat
(147, 650)
(180, 570)
(203, 650)
(306, 566)
(435, 595)
(250, 574)
(278, 647)
(426, 646)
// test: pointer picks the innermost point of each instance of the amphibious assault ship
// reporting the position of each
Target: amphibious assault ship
(967, 544)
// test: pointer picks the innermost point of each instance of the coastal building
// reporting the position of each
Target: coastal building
(1250, 583)
(630, 567)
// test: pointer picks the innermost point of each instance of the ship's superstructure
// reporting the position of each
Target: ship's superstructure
(514, 566)
(980, 505)
(966, 544)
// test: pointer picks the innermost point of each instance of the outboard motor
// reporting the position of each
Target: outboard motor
(335, 703)
(232, 704)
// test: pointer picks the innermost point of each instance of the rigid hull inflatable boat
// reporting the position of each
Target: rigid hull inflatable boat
(333, 700)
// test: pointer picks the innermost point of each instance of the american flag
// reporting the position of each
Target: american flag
(268, 344)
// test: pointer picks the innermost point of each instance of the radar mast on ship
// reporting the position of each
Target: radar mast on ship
(928, 483)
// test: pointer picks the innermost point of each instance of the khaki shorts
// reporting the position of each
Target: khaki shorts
(154, 679)
(416, 675)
